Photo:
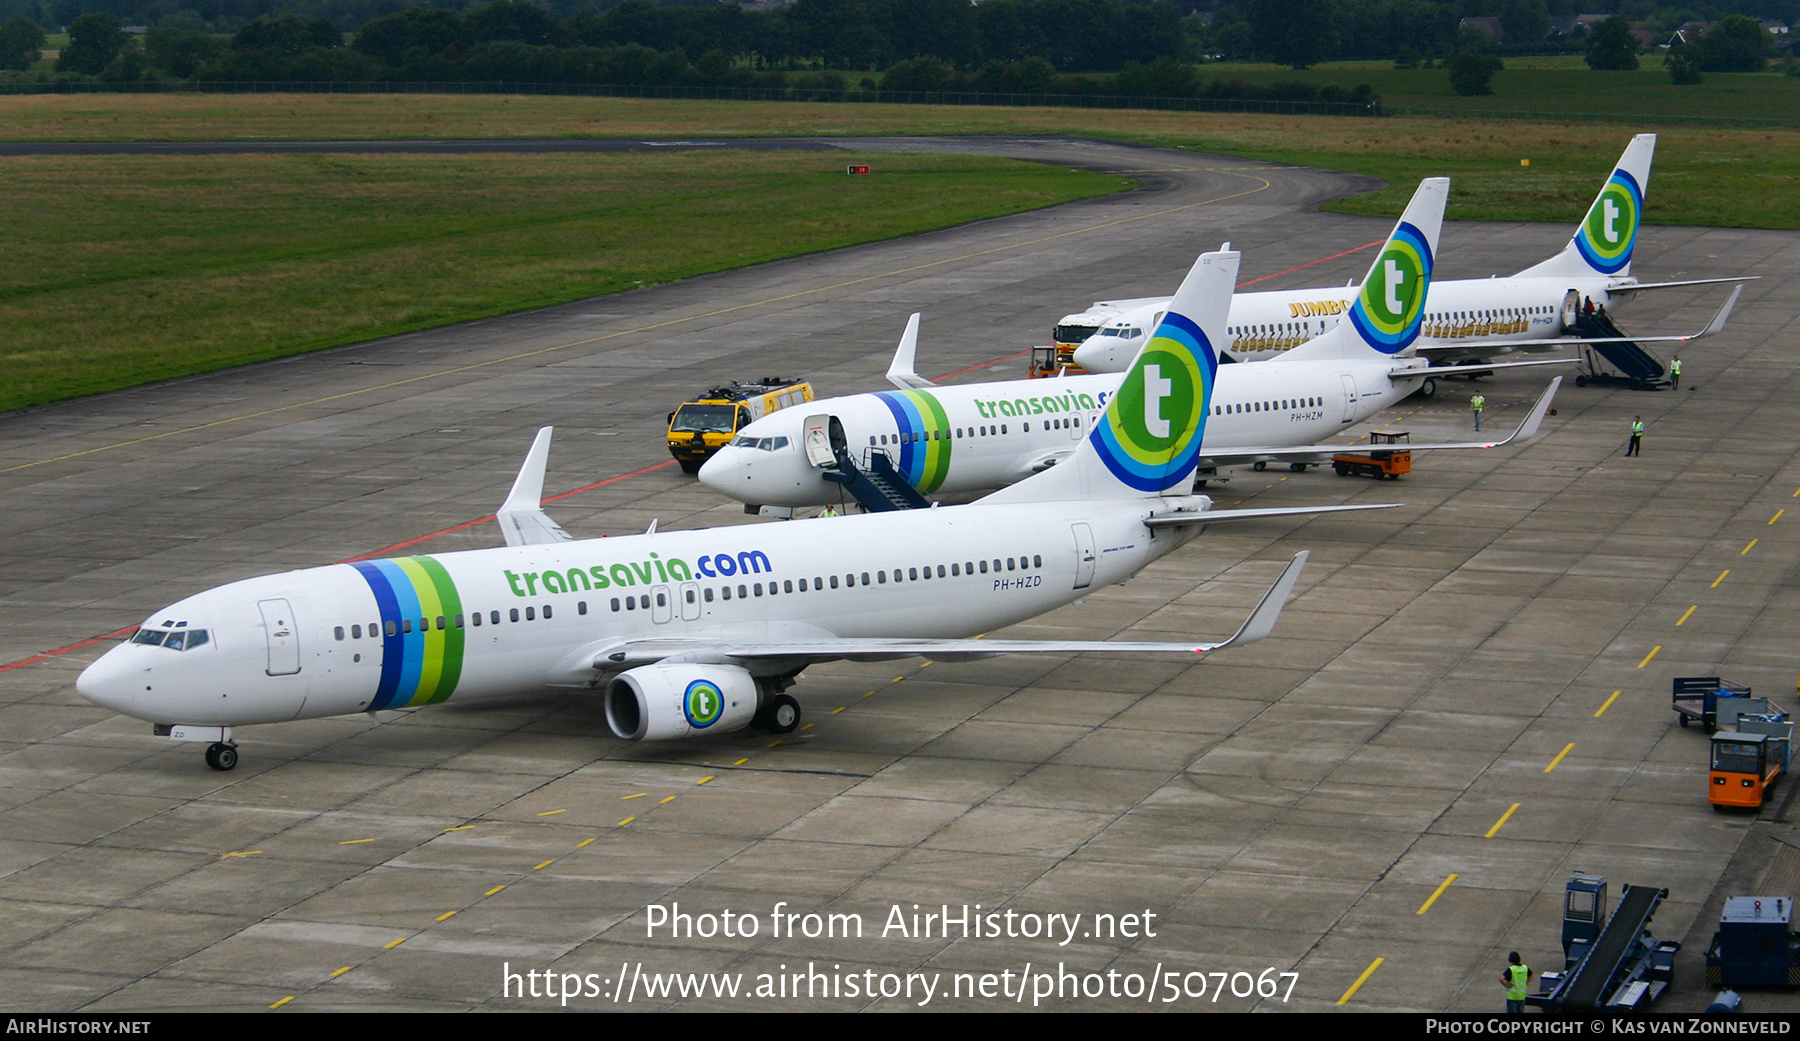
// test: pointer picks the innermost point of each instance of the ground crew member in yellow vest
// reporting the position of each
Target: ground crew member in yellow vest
(828, 511)
(1514, 978)
(1477, 403)
(1637, 435)
(1675, 371)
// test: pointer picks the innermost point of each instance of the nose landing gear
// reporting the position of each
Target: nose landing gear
(221, 756)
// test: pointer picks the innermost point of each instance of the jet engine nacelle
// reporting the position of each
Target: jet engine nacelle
(664, 702)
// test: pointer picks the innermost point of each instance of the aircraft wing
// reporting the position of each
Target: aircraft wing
(1464, 370)
(1527, 430)
(522, 519)
(629, 653)
(1638, 287)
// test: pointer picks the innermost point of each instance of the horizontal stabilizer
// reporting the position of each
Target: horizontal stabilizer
(521, 520)
(900, 371)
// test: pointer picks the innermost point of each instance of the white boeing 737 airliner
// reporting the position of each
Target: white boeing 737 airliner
(972, 436)
(698, 632)
(1466, 320)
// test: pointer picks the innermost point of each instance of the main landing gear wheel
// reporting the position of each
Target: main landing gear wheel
(221, 756)
(1428, 388)
(780, 716)
(1259, 467)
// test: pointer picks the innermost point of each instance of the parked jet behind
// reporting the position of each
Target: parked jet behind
(1465, 319)
(697, 632)
(983, 435)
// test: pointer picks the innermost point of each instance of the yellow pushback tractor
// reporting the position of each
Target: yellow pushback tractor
(702, 426)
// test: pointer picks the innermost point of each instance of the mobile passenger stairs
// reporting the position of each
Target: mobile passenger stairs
(1625, 363)
(1618, 968)
(876, 483)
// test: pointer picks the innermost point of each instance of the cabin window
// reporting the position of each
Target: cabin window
(984, 567)
(546, 612)
(1036, 560)
(709, 594)
(392, 629)
(956, 570)
(725, 591)
(531, 614)
(441, 624)
(581, 607)
(690, 595)
(865, 578)
(338, 632)
(406, 625)
(911, 572)
(881, 576)
(458, 620)
(743, 592)
(662, 600)
(514, 614)
(476, 618)
(356, 632)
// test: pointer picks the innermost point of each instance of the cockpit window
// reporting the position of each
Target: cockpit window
(179, 640)
(765, 444)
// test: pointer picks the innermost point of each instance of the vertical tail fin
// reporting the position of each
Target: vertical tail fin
(1603, 242)
(1147, 441)
(1390, 308)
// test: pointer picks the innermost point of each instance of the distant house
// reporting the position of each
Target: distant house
(1491, 26)
(1585, 23)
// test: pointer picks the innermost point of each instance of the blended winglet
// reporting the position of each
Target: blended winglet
(1262, 620)
(901, 370)
(522, 520)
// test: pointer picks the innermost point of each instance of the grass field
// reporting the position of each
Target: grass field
(125, 270)
(1554, 85)
(1729, 177)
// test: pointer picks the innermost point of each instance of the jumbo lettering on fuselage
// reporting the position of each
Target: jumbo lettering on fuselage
(637, 573)
(1040, 405)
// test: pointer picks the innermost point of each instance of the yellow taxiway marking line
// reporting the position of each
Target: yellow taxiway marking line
(1777, 516)
(494, 890)
(1652, 654)
(746, 759)
(636, 795)
(1689, 614)
(283, 1001)
(1721, 578)
(1748, 548)
(584, 843)
(544, 865)
(870, 694)
(552, 813)
(1435, 893)
(1360, 980)
(808, 726)
(626, 821)
(840, 708)
(445, 915)
(1609, 701)
(1504, 817)
(460, 827)
(338, 973)
(354, 842)
(240, 853)
(705, 779)
(669, 800)
(652, 327)
(773, 743)
(393, 944)
(1559, 757)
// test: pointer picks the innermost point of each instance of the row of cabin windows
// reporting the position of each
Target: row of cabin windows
(1065, 423)
(1268, 406)
(817, 584)
(408, 626)
(1499, 312)
(744, 592)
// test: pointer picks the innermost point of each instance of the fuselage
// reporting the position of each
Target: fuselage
(974, 436)
(413, 631)
(1487, 316)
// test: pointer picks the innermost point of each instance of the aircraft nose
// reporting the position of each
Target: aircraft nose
(724, 472)
(1094, 355)
(112, 681)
